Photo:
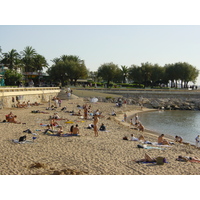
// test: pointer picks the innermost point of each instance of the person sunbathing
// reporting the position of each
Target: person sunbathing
(147, 158)
(102, 127)
(187, 158)
(9, 116)
(77, 114)
(53, 123)
(75, 130)
(60, 131)
(140, 127)
(178, 139)
(55, 116)
(162, 141)
(14, 120)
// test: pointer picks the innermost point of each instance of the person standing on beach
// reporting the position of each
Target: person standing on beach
(197, 139)
(125, 117)
(96, 120)
(85, 112)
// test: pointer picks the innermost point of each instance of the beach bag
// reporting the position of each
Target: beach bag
(22, 138)
(160, 160)
(125, 138)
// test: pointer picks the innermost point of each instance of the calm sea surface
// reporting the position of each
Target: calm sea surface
(182, 123)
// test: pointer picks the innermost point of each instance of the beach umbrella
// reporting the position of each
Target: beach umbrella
(94, 100)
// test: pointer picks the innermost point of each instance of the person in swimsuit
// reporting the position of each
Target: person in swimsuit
(96, 120)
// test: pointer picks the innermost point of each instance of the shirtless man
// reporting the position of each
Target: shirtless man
(14, 120)
(96, 120)
(162, 141)
(75, 130)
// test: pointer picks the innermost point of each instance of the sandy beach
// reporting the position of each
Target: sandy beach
(107, 154)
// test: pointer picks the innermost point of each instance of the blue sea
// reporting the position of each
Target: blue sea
(182, 123)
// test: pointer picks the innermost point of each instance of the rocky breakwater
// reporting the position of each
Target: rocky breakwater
(158, 103)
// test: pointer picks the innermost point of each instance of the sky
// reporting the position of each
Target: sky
(99, 44)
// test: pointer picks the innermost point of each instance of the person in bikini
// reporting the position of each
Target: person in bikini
(96, 120)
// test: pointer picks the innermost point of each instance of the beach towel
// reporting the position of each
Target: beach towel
(23, 142)
(160, 145)
(149, 147)
(69, 122)
(64, 135)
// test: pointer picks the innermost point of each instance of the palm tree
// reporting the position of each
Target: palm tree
(28, 55)
(39, 62)
(11, 59)
(124, 72)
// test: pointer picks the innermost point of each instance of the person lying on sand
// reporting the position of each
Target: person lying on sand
(77, 114)
(141, 137)
(162, 141)
(147, 158)
(187, 158)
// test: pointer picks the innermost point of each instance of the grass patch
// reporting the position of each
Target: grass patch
(86, 93)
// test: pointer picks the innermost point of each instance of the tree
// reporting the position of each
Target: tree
(12, 77)
(124, 72)
(135, 74)
(11, 59)
(108, 72)
(28, 55)
(39, 62)
(68, 67)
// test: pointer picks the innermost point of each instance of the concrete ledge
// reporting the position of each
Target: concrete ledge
(10, 96)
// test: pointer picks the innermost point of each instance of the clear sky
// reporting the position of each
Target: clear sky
(98, 44)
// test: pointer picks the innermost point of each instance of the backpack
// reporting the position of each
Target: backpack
(22, 138)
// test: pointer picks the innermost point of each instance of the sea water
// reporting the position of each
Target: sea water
(182, 123)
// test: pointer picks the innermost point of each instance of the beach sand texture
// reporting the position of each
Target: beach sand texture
(107, 154)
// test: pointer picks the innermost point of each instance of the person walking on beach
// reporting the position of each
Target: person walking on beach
(197, 139)
(125, 117)
(96, 120)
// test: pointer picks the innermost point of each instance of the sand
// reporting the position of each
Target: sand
(107, 154)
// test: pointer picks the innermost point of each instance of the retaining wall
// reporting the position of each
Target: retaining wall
(9, 96)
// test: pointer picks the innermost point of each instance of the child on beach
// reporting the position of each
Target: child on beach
(197, 139)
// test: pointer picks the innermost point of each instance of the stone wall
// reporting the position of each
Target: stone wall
(160, 100)
(9, 96)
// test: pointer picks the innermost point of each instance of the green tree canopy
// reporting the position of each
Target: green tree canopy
(11, 59)
(108, 72)
(67, 67)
